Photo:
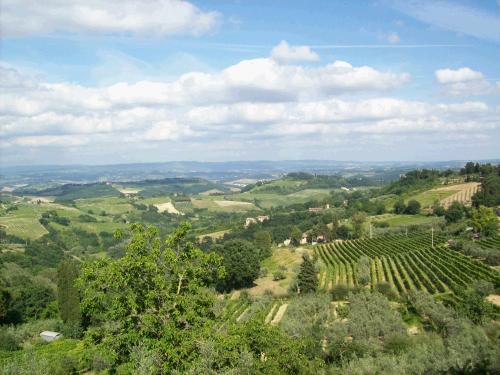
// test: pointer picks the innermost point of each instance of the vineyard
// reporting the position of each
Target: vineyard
(406, 263)
(490, 243)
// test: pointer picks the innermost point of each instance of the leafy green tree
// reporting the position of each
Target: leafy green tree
(489, 194)
(358, 219)
(363, 270)
(399, 207)
(155, 296)
(307, 280)
(68, 297)
(437, 209)
(484, 221)
(371, 316)
(295, 236)
(455, 212)
(241, 262)
(413, 207)
(263, 242)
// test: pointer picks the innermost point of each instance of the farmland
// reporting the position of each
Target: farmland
(406, 263)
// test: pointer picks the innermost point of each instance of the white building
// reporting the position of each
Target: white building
(50, 335)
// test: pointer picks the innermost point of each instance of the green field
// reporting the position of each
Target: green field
(403, 220)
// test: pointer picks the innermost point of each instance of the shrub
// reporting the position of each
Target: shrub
(340, 292)
(8, 340)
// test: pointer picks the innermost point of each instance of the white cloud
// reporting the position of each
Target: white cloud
(148, 17)
(458, 75)
(285, 53)
(246, 104)
(258, 80)
(464, 82)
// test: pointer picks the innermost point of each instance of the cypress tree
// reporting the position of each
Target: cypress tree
(307, 280)
(68, 297)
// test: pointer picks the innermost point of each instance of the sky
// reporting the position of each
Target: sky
(105, 81)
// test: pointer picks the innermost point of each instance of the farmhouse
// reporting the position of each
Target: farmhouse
(251, 220)
(319, 209)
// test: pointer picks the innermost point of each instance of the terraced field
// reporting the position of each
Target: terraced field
(404, 262)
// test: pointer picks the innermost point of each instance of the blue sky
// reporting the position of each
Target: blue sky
(100, 82)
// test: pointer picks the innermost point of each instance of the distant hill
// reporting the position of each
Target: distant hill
(70, 192)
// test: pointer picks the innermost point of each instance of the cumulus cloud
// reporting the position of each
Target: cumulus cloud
(459, 75)
(258, 80)
(256, 100)
(393, 38)
(465, 82)
(285, 53)
(148, 17)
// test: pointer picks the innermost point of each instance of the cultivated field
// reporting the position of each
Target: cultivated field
(404, 262)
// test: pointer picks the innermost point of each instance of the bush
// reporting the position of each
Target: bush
(413, 207)
(386, 290)
(340, 292)
(279, 275)
(381, 224)
(8, 340)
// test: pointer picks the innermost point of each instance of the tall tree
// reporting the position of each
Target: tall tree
(263, 242)
(307, 280)
(68, 296)
(358, 219)
(295, 236)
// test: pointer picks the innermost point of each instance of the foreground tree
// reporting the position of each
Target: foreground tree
(154, 298)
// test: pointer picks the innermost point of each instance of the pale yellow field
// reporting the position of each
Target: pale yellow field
(168, 207)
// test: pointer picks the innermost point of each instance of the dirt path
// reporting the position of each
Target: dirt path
(279, 315)
(242, 314)
(269, 316)
(494, 299)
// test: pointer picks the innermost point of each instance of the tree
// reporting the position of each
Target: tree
(437, 209)
(358, 219)
(455, 212)
(263, 242)
(371, 316)
(399, 207)
(484, 221)
(155, 296)
(413, 207)
(295, 236)
(489, 194)
(68, 297)
(307, 280)
(363, 270)
(241, 262)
